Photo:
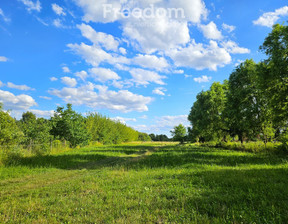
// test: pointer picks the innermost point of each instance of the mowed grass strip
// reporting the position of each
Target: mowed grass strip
(146, 183)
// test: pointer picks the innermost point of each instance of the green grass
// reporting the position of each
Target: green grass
(146, 183)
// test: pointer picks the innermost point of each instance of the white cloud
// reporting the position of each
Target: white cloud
(210, 31)
(228, 28)
(58, 23)
(1, 84)
(162, 125)
(45, 97)
(268, 19)
(82, 75)
(124, 120)
(233, 48)
(53, 79)
(151, 61)
(103, 74)
(66, 69)
(5, 18)
(161, 34)
(43, 113)
(202, 79)
(69, 81)
(13, 102)
(20, 87)
(58, 9)
(99, 38)
(95, 55)
(200, 57)
(144, 77)
(123, 50)
(178, 72)
(159, 91)
(3, 59)
(122, 100)
(32, 5)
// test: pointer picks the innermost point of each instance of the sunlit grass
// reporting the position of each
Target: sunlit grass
(146, 183)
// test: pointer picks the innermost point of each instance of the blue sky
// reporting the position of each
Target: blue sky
(135, 61)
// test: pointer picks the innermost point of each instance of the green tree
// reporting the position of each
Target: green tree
(179, 133)
(10, 134)
(36, 132)
(275, 80)
(206, 115)
(243, 101)
(70, 126)
(144, 137)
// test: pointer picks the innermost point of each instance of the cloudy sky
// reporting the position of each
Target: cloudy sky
(142, 62)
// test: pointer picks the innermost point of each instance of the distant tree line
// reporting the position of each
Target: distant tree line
(252, 104)
(66, 125)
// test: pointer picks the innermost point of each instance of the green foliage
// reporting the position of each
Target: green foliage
(144, 137)
(206, 115)
(36, 133)
(275, 80)
(107, 131)
(253, 104)
(10, 134)
(179, 133)
(70, 126)
(159, 138)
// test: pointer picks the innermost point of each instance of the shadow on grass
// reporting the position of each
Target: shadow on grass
(167, 156)
(170, 157)
(240, 196)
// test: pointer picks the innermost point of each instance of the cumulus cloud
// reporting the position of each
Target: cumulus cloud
(1, 84)
(211, 31)
(66, 69)
(3, 59)
(99, 38)
(58, 9)
(53, 79)
(19, 87)
(81, 75)
(233, 48)
(202, 79)
(268, 19)
(124, 120)
(32, 5)
(161, 35)
(43, 113)
(96, 96)
(163, 124)
(95, 55)
(151, 61)
(103, 74)
(69, 81)
(13, 102)
(199, 56)
(160, 91)
(228, 28)
(145, 77)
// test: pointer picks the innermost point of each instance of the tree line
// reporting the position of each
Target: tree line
(66, 125)
(252, 104)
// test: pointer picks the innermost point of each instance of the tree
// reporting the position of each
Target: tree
(206, 115)
(144, 137)
(179, 133)
(70, 126)
(36, 131)
(275, 80)
(243, 105)
(10, 134)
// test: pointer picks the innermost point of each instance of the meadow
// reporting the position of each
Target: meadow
(146, 183)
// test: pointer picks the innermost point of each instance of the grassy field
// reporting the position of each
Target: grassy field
(146, 183)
